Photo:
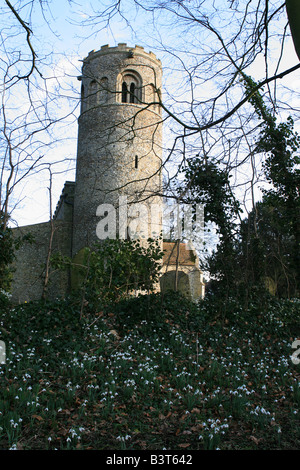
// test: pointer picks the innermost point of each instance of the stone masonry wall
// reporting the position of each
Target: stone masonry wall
(29, 266)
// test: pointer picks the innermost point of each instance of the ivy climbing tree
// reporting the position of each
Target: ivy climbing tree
(207, 184)
(263, 250)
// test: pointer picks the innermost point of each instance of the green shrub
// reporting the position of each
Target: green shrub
(116, 268)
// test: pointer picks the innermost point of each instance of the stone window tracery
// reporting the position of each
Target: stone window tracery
(131, 90)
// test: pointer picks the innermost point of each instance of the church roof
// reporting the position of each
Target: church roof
(187, 257)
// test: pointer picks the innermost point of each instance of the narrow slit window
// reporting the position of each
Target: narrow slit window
(124, 92)
(136, 162)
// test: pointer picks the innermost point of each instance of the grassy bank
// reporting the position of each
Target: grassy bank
(150, 374)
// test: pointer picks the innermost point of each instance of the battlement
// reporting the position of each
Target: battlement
(122, 47)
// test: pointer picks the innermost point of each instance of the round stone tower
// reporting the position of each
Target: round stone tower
(118, 189)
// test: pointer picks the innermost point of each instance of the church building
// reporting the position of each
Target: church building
(119, 165)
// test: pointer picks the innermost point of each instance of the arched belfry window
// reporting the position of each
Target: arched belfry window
(92, 93)
(104, 90)
(131, 87)
(132, 95)
(124, 92)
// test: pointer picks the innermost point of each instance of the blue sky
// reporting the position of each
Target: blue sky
(60, 33)
(70, 40)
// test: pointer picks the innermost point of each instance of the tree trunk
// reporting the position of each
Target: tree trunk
(293, 12)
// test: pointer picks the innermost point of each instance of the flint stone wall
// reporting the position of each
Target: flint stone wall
(29, 265)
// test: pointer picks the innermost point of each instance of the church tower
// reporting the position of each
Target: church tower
(119, 153)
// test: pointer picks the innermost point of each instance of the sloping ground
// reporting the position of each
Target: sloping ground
(149, 374)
